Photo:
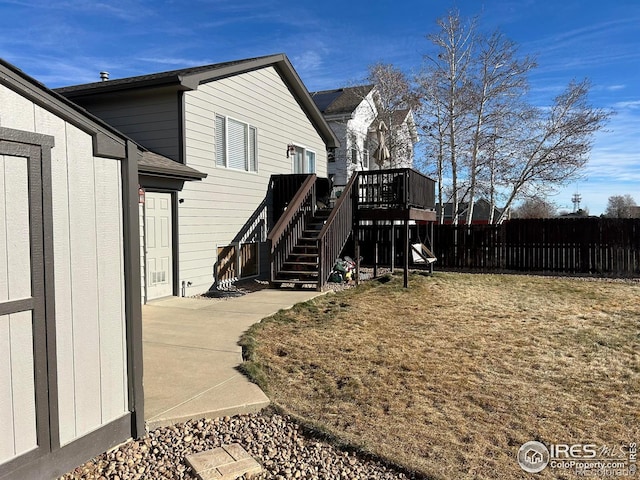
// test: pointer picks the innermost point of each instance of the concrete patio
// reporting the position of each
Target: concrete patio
(191, 354)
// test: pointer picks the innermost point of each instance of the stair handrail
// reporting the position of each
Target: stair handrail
(336, 231)
(284, 234)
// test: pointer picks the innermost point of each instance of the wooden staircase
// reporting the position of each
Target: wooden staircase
(301, 266)
(308, 237)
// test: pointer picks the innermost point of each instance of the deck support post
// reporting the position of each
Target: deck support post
(406, 253)
(357, 252)
(375, 249)
(431, 245)
(393, 246)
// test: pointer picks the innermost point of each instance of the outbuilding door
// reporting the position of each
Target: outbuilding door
(158, 245)
(23, 408)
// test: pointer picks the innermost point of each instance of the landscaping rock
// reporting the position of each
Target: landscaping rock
(277, 442)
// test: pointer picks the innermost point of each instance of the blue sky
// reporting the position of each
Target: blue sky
(331, 43)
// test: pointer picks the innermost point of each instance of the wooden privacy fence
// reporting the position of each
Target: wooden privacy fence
(604, 246)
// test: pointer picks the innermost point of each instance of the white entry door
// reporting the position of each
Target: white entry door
(158, 245)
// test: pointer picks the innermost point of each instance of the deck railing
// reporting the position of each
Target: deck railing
(395, 188)
(284, 187)
(335, 232)
(293, 221)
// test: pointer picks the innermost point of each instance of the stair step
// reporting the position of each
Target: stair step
(299, 272)
(305, 250)
(303, 264)
(295, 282)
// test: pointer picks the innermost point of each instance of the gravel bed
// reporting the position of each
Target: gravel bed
(278, 443)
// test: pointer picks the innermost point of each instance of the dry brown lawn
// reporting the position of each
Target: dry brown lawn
(451, 376)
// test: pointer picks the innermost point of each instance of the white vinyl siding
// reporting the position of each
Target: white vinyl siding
(236, 144)
(226, 207)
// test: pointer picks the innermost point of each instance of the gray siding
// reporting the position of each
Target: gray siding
(216, 210)
(151, 118)
(88, 270)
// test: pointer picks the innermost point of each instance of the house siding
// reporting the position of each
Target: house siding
(88, 250)
(150, 117)
(228, 206)
(352, 132)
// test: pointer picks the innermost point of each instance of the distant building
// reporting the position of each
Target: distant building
(634, 212)
(580, 213)
(481, 212)
(354, 114)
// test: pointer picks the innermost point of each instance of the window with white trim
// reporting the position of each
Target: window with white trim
(354, 156)
(304, 160)
(236, 144)
(365, 154)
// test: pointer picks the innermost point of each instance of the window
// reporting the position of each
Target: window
(311, 161)
(304, 161)
(236, 144)
(354, 156)
(365, 154)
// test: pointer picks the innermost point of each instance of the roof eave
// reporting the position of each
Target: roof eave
(166, 173)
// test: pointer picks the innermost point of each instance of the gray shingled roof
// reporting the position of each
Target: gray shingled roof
(190, 78)
(168, 77)
(152, 163)
(341, 100)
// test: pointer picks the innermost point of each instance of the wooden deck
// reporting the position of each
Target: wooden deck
(309, 236)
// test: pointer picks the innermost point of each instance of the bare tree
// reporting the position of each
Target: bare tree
(475, 112)
(446, 73)
(535, 207)
(620, 206)
(555, 144)
(434, 126)
(498, 82)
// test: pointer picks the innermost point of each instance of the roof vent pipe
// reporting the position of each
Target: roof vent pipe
(104, 76)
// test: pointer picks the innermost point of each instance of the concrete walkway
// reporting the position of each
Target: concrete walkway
(191, 353)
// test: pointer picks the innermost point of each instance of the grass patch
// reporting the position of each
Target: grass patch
(449, 377)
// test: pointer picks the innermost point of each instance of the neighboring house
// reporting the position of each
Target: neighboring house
(354, 114)
(481, 212)
(580, 213)
(634, 211)
(70, 319)
(237, 122)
